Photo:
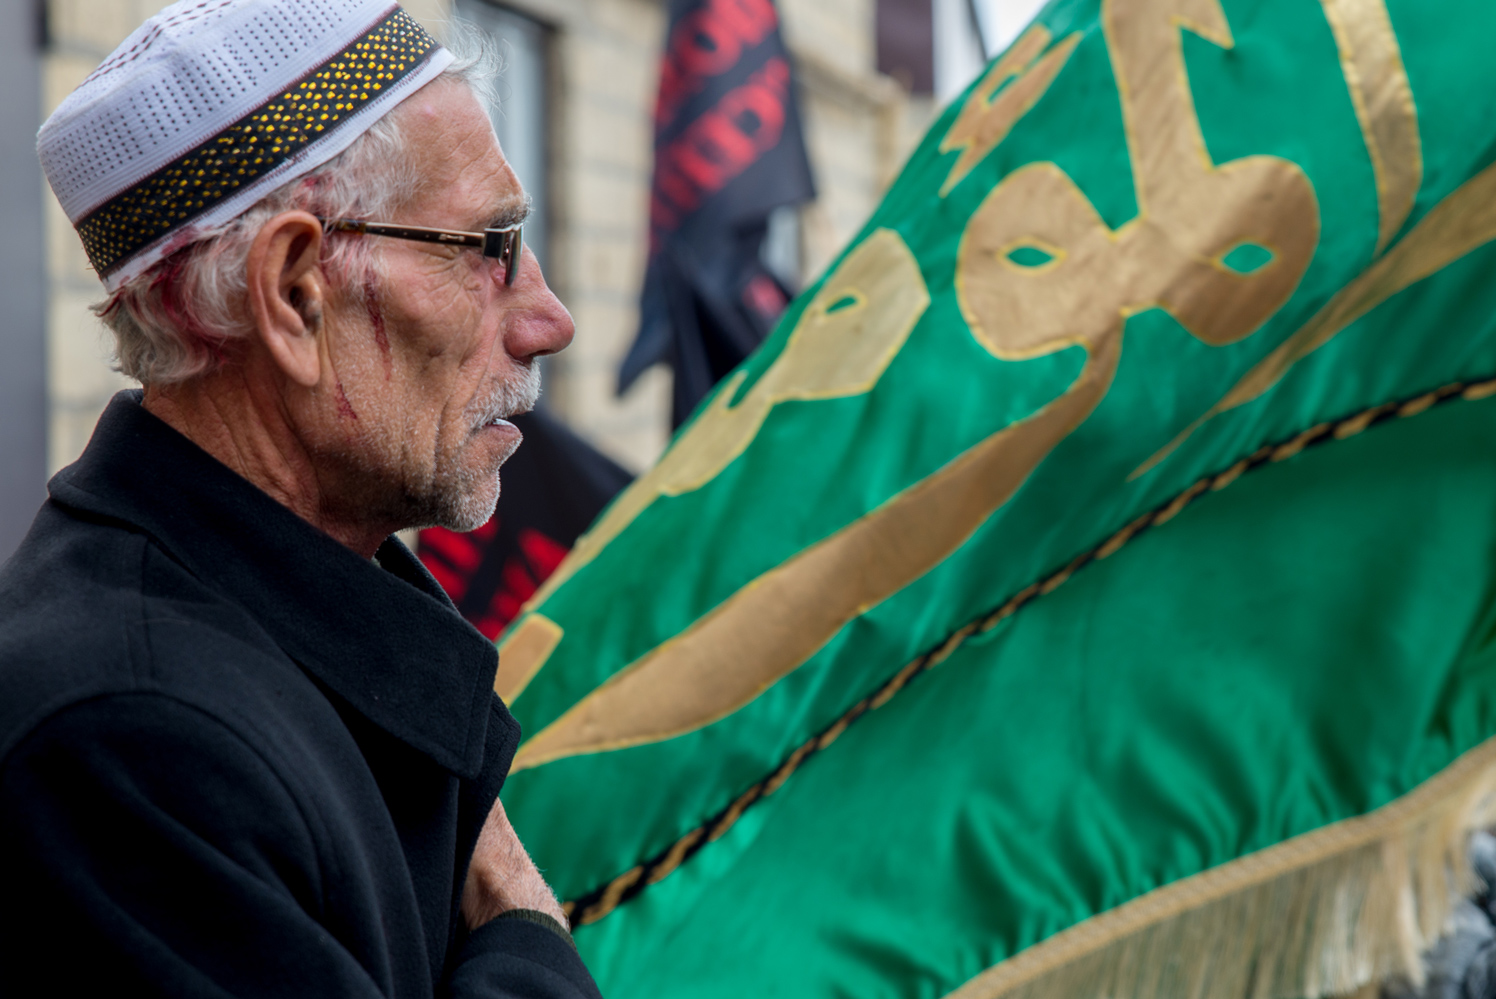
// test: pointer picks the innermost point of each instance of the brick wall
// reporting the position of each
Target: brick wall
(604, 64)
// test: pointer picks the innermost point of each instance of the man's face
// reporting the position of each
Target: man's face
(425, 361)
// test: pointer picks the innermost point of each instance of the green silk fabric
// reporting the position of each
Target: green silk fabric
(1300, 647)
(1314, 657)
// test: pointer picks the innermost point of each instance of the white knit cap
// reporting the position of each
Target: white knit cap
(211, 105)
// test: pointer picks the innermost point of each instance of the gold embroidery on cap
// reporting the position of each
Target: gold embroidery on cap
(256, 144)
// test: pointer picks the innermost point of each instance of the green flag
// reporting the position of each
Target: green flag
(1087, 590)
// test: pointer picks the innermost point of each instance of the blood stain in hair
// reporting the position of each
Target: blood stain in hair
(166, 285)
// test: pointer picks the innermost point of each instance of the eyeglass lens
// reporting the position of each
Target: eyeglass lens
(506, 245)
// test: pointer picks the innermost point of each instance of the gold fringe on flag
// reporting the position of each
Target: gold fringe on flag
(1327, 913)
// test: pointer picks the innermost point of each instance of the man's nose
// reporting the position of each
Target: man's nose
(542, 325)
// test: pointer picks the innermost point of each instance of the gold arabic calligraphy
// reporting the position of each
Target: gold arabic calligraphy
(1378, 83)
(1192, 215)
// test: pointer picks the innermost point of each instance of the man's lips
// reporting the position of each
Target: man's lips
(500, 421)
(492, 421)
(502, 429)
(498, 425)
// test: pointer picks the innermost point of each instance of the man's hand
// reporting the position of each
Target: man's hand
(502, 876)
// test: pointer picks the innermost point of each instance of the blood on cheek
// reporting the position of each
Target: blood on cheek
(345, 408)
(376, 321)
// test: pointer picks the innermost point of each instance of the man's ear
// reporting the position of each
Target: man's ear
(286, 294)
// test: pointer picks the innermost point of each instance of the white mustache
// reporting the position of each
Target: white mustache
(517, 394)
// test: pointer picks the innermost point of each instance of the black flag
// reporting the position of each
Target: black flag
(554, 486)
(728, 151)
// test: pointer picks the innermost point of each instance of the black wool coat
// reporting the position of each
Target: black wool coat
(236, 759)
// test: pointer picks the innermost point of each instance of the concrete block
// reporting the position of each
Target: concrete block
(606, 197)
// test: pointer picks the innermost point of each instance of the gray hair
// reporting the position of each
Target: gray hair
(181, 317)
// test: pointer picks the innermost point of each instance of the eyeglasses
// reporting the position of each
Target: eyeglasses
(497, 244)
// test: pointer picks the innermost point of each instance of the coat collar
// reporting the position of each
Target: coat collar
(384, 637)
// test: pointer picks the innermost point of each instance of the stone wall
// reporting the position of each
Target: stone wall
(604, 58)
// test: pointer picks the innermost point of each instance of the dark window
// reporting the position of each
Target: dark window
(906, 43)
(521, 117)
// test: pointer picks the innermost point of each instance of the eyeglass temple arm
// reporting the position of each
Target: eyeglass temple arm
(417, 232)
(493, 242)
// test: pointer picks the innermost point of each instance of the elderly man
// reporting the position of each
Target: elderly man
(247, 747)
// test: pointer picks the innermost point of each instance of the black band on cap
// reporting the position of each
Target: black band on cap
(326, 98)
